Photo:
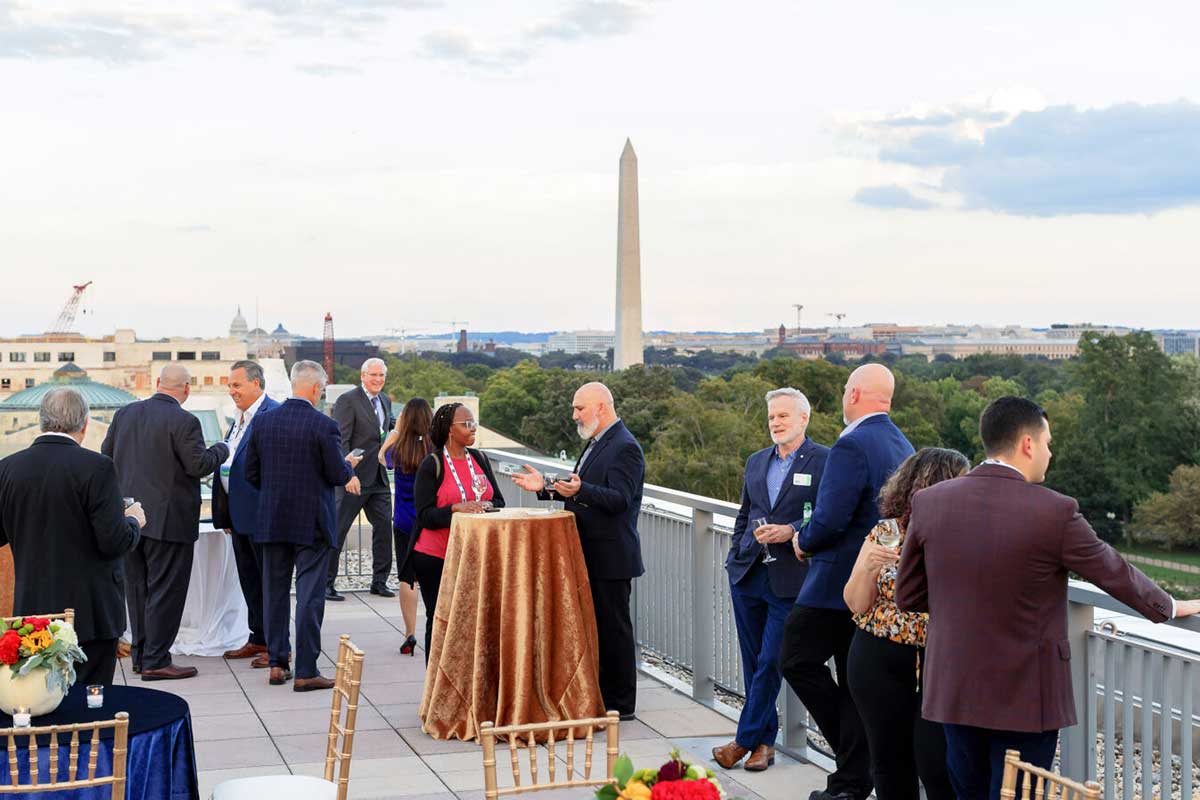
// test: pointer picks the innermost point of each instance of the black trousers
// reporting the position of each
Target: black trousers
(248, 557)
(975, 757)
(280, 560)
(811, 636)
(904, 746)
(618, 650)
(157, 575)
(429, 579)
(101, 662)
(378, 506)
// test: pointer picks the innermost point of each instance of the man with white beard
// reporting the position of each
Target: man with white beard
(605, 493)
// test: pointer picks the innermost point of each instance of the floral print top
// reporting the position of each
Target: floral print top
(884, 619)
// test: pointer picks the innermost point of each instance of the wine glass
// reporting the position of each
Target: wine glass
(757, 523)
(887, 532)
(550, 478)
(480, 485)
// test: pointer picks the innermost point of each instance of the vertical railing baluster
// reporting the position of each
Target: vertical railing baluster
(1110, 723)
(1147, 723)
(1127, 721)
(702, 606)
(1185, 727)
(1165, 718)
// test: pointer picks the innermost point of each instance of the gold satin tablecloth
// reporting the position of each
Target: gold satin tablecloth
(514, 635)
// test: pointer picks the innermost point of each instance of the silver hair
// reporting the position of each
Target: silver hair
(370, 362)
(63, 410)
(309, 372)
(802, 404)
(253, 371)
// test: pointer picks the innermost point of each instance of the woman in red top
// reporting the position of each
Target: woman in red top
(454, 478)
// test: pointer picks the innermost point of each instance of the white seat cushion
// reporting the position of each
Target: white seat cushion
(294, 787)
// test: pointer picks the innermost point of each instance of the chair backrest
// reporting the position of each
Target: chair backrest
(120, 724)
(1041, 784)
(530, 735)
(346, 684)
(67, 614)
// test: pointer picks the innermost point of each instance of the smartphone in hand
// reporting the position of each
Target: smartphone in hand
(357, 452)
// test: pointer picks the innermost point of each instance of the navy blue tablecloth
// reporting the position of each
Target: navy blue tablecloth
(161, 762)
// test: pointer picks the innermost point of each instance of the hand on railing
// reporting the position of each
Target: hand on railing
(1186, 608)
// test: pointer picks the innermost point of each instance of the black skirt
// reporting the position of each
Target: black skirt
(404, 561)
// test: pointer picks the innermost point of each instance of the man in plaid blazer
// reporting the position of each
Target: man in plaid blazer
(294, 459)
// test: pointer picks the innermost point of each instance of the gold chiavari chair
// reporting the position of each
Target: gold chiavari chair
(51, 782)
(67, 615)
(528, 735)
(1041, 784)
(347, 683)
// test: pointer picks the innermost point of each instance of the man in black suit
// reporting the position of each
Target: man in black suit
(61, 511)
(160, 456)
(364, 416)
(605, 493)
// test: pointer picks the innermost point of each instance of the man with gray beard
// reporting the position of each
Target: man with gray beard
(605, 493)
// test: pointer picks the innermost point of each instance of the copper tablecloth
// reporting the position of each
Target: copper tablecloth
(514, 635)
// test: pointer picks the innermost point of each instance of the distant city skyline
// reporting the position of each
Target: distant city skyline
(393, 161)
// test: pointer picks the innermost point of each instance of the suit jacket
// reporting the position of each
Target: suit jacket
(608, 504)
(786, 573)
(359, 427)
(237, 509)
(61, 511)
(987, 556)
(294, 458)
(160, 456)
(858, 465)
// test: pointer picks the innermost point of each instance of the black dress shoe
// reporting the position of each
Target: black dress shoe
(334, 595)
(382, 591)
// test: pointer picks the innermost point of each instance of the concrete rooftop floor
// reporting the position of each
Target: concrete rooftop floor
(245, 727)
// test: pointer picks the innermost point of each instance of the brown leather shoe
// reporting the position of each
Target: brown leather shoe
(246, 651)
(264, 660)
(279, 676)
(170, 673)
(763, 757)
(727, 755)
(312, 684)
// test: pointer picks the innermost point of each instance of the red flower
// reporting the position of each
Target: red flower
(673, 770)
(38, 623)
(684, 790)
(10, 645)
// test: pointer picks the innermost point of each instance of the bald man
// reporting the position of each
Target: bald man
(605, 493)
(819, 626)
(160, 456)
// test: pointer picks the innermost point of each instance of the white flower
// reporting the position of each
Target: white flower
(66, 633)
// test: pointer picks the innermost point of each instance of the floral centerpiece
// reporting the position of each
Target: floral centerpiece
(674, 780)
(41, 656)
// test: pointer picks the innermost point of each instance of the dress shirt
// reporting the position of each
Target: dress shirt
(376, 404)
(592, 443)
(859, 421)
(777, 469)
(235, 437)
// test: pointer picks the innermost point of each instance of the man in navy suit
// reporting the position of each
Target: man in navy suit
(294, 458)
(605, 493)
(781, 485)
(235, 503)
(820, 626)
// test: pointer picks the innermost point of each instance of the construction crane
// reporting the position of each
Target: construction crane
(328, 336)
(839, 316)
(799, 307)
(66, 318)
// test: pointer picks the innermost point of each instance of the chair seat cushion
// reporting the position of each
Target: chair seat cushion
(293, 787)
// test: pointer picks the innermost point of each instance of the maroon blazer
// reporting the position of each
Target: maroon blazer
(987, 556)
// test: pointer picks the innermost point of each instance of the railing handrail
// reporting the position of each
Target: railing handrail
(1088, 594)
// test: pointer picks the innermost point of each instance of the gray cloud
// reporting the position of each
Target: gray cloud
(115, 38)
(352, 18)
(454, 45)
(1126, 159)
(329, 70)
(590, 18)
(890, 197)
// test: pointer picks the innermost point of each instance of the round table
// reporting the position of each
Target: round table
(161, 758)
(514, 632)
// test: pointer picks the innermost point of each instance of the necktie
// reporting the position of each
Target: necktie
(375, 401)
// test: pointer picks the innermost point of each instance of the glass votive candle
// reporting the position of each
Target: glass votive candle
(95, 696)
(21, 718)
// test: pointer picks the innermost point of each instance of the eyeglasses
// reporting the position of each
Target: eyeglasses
(469, 424)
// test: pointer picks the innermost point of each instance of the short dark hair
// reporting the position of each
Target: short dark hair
(443, 418)
(1005, 420)
(253, 372)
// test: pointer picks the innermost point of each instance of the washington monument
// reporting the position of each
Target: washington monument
(628, 349)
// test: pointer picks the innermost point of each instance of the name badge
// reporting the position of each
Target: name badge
(802, 479)
(224, 470)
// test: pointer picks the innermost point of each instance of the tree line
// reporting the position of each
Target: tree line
(1125, 417)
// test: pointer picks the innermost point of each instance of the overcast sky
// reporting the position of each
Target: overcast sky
(404, 163)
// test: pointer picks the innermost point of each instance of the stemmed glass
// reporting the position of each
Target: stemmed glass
(888, 533)
(480, 485)
(550, 478)
(758, 522)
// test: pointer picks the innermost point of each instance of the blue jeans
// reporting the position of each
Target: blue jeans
(759, 616)
(975, 757)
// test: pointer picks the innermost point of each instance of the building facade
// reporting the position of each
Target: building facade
(575, 342)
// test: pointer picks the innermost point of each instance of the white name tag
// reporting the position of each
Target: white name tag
(801, 479)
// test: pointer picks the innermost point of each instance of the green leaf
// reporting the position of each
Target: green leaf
(606, 792)
(623, 770)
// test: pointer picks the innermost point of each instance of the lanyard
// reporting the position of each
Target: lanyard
(470, 468)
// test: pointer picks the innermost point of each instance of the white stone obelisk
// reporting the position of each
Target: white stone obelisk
(628, 348)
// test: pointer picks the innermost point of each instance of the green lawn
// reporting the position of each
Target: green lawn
(1182, 556)
(1182, 585)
